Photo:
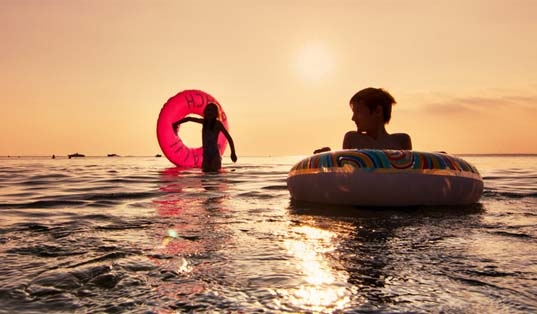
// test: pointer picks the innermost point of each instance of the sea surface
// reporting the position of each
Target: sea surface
(136, 235)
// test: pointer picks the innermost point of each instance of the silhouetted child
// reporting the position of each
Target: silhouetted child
(212, 161)
(371, 111)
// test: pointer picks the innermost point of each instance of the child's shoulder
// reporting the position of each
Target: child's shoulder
(399, 135)
(353, 139)
(402, 139)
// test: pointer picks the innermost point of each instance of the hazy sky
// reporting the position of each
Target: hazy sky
(91, 76)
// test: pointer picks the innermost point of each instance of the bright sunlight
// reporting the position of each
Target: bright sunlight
(314, 62)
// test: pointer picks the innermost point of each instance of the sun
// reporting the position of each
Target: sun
(314, 62)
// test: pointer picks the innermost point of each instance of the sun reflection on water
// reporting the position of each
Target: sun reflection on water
(324, 287)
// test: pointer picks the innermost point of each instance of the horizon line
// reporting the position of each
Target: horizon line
(289, 155)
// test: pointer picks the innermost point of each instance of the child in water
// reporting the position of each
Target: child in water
(371, 111)
(212, 161)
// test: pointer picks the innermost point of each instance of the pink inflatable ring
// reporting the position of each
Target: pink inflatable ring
(179, 106)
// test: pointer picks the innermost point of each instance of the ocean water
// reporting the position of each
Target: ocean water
(135, 235)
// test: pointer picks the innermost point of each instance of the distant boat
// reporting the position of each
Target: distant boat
(158, 155)
(113, 155)
(76, 155)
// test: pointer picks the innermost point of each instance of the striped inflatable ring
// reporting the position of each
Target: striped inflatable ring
(385, 178)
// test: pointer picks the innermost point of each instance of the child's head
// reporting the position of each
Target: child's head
(211, 111)
(374, 97)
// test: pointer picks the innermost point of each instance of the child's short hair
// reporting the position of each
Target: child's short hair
(373, 97)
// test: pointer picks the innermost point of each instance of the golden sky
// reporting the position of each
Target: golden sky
(91, 76)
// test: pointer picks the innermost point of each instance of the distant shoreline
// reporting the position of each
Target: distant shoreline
(263, 156)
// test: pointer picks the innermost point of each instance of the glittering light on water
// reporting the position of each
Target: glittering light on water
(325, 288)
(172, 233)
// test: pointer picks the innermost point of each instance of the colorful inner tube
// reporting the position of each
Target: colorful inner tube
(366, 177)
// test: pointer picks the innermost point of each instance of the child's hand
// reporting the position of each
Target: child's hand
(233, 157)
(321, 150)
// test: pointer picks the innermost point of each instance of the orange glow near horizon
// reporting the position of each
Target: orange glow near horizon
(92, 77)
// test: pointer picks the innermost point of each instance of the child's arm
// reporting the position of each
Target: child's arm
(230, 140)
(185, 119)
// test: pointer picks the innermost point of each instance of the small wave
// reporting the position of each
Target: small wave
(87, 189)
(88, 199)
(473, 281)
(97, 217)
(45, 250)
(257, 195)
(108, 256)
(119, 196)
(32, 182)
(35, 227)
(512, 234)
(105, 204)
(44, 204)
(491, 273)
(507, 194)
(49, 176)
(129, 180)
(275, 187)
(20, 194)
(124, 226)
